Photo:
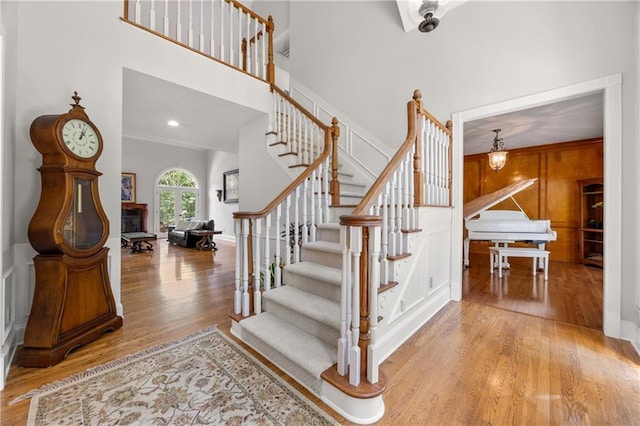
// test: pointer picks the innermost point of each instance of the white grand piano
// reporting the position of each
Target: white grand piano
(503, 226)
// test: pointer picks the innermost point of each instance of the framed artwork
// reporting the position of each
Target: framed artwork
(231, 180)
(128, 188)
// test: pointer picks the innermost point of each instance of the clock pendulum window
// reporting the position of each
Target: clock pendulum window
(72, 301)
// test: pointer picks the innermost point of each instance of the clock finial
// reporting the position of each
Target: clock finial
(76, 99)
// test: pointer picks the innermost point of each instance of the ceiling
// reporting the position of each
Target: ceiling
(206, 122)
(565, 121)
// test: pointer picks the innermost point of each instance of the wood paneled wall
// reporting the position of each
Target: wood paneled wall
(555, 194)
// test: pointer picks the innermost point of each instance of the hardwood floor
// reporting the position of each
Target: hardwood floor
(573, 293)
(470, 364)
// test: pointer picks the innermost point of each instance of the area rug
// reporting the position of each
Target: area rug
(203, 379)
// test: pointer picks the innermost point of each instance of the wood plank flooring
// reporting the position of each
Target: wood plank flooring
(573, 293)
(470, 364)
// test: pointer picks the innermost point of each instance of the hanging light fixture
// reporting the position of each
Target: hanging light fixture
(497, 155)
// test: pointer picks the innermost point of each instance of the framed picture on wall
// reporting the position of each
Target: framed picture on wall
(128, 188)
(231, 180)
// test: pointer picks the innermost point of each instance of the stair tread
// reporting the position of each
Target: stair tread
(311, 305)
(328, 225)
(327, 246)
(300, 347)
(316, 271)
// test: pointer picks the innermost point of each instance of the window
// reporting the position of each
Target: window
(178, 196)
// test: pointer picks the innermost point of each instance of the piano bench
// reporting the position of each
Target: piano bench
(497, 254)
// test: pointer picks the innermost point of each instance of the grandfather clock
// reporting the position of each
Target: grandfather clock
(72, 302)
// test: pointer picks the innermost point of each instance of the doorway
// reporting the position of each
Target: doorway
(611, 87)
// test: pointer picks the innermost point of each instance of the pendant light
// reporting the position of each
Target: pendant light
(497, 155)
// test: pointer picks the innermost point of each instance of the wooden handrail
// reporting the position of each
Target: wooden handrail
(414, 107)
(247, 11)
(328, 131)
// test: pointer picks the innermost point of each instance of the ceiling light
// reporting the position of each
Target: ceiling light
(427, 9)
(173, 123)
(497, 155)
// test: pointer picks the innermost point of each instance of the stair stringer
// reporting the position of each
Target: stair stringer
(424, 284)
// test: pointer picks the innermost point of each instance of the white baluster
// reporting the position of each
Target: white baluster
(137, 14)
(264, 60)
(190, 32)
(399, 245)
(374, 278)
(249, 44)
(257, 300)
(165, 21)
(237, 295)
(239, 42)
(212, 39)
(384, 249)
(325, 189)
(296, 228)
(152, 15)
(267, 261)
(344, 340)
(305, 218)
(255, 49)
(202, 47)
(179, 21)
(314, 186)
(393, 250)
(355, 240)
(222, 47)
(287, 233)
(232, 47)
(278, 259)
(245, 269)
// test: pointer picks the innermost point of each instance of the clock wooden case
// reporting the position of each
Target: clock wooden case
(72, 302)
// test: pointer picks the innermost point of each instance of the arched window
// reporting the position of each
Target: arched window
(177, 193)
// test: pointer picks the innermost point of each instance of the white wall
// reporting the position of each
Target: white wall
(86, 51)
(220, 162)
(482, 53)
(8, 288)
(261, 179)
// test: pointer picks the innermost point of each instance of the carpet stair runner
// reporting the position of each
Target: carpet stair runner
(299, 327)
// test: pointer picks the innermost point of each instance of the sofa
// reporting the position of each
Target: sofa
(181, 234)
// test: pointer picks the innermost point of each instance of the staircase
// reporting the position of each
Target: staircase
(299, 327)
(333, 274)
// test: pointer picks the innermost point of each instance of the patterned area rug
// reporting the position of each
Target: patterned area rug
(203, 379)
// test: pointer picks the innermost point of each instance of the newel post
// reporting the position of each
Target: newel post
(364, 340)
(271, 67)
(126, 10)
(418, 173)
(335, 183)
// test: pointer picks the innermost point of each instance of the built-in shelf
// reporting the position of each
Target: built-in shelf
(591, 221)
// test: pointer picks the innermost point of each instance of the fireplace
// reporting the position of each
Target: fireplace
(133, 217)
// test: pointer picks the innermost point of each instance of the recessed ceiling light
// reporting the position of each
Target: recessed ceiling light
(173, 123)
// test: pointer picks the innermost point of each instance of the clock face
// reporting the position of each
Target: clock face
(80, 138)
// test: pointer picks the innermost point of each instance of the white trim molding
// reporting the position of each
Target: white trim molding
(611, 87)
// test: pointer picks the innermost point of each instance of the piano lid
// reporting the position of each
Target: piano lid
(487, 201)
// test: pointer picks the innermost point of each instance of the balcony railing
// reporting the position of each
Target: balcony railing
(224, 30)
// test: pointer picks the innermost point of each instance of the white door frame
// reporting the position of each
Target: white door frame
(611, 87)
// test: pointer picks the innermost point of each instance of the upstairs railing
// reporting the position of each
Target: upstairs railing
(376, 233)
(296, 131)
(223, 30)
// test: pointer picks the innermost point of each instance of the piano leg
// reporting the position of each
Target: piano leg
(541, 260)
(466, 252)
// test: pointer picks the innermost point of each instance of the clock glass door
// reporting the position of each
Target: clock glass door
(83, 228)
